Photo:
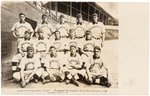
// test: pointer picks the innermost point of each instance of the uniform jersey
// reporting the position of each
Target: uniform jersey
(63, 28)
(42, 45)
(97, 67)
(75, 41)
(52, 62)
(21, 28)
(29, 63)
(73, 60)
(96, 29)
(23, 44)
(88, 45)
(47, 29)
(59, 44)
(79, 30)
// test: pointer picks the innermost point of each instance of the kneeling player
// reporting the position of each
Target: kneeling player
(22, 46)
(53, 67)
(29, 68)
(73, 68)
(96, 72)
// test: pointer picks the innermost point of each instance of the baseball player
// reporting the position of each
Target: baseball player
(63, 27)
(59, 43)
(53, 64)
(72, 39)
(46, 27)
(97, 29)
(88, 44)
(42, 44)
(73, 66)
(29, 68)
(79, 27)
(97, 72)
(20, 27)
(22, 46)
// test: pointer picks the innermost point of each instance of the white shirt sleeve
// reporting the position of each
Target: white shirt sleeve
(14, 27)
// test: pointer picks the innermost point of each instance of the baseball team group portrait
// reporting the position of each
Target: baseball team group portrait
(59, 44)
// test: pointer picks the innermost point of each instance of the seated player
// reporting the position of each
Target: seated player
(73, 66)
(29, 68)
(22, 46)
(53, 66)
(96, 71)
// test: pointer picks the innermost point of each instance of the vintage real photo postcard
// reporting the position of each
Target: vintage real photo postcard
(69, 47)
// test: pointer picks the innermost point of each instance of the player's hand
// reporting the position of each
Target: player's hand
(27, 80)
(90, 79)
(23, 54)
(72, 66)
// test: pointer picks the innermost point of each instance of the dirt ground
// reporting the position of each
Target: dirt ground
(109, 56)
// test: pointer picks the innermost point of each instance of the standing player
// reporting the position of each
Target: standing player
(79, 27)
(20, 27)
(53, 66)
(22, 49)
(96, 72)
(29, 68)
(45, 27)
(97, 29)
(63, 27)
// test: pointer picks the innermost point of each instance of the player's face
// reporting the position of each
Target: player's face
(97, 52)
(52, 51)
(22, 18)
(62, 20)
(72, 34)
(44, 18)
(73, 50)
(88, 36)
(41, 35)
(57, 35)
(27, 35)
(79, 19)
(30, 53)
(95, 18)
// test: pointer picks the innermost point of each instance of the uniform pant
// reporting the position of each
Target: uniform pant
(74, 73)
(56, 75)
(96, 78)
(27, 73)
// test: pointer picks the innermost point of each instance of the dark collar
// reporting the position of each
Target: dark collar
(53, 55)
(72, 55)
(30, 57)
(94, 57)
(44, 23)
(57, 39)
(79, 23)
(22, 22)
(95, 22)
(40, 38)
(26, 38)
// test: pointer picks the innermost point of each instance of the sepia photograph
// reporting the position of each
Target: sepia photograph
(50, 47)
